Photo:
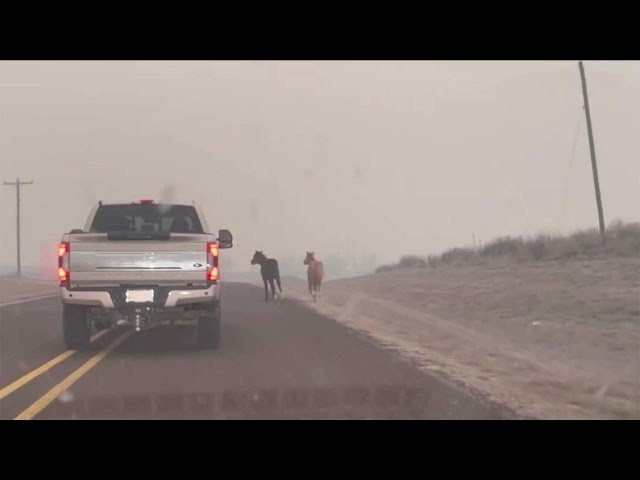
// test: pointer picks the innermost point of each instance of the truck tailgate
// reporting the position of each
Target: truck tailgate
(97, 261)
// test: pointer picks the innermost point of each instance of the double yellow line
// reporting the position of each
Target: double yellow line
(52, 394)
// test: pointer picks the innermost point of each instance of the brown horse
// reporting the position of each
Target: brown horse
(270, 271)
(315, 272)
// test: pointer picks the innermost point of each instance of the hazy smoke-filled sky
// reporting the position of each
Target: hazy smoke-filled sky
(366, 157)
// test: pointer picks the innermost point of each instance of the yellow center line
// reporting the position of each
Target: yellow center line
(55, 392)
(22, 381)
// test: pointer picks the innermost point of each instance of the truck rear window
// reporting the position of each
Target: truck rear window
(146, 218)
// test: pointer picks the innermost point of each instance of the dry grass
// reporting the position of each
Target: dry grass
(623, 240)
(551, 339)
(549, 325)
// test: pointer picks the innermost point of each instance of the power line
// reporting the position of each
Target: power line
(18, 184)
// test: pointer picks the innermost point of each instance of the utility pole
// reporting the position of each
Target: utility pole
(592, 147)
(18, 184)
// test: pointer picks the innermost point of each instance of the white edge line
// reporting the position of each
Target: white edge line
(30, 299)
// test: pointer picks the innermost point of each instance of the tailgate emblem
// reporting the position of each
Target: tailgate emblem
(197, 265)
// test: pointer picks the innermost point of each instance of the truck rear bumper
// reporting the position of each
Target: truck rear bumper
(108, 299)
(89, 299)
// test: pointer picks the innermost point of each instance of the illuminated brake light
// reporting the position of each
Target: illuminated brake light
(62, 275)
(146, 202)
(63, 263)
(213, 254)
(214, 274)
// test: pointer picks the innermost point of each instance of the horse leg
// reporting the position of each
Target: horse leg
(277, 277)
(273, 288)
(310, 283)
(266, 290)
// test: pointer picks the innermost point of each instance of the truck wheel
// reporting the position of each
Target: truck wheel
(75, 327)
(210, 328)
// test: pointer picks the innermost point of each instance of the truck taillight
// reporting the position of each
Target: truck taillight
(214, 274)
(63, 263)
(213, 270)
(62, 276)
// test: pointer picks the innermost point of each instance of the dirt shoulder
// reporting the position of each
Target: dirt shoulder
(549, 339)
(13, 289)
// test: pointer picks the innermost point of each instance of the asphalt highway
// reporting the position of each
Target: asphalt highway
(277, 360)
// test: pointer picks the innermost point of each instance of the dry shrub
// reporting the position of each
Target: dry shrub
(408, 261)
(412, 261)
(386, 268)
(623, 239)
(501, 246)
(457, 256)
(538, 246)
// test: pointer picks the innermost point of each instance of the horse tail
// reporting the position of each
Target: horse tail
(277, 276)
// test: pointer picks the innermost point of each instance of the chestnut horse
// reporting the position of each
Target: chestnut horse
(315, 272)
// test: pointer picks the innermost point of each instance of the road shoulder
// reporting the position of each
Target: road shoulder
(15, 290)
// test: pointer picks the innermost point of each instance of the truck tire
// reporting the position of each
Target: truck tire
(210, 328)
(75, 327)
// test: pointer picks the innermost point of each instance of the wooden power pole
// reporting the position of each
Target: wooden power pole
(592, 148)
(18, 184)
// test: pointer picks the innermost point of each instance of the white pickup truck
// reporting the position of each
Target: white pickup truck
(141, 264)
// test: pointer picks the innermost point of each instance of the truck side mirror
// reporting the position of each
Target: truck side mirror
(225, 239)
